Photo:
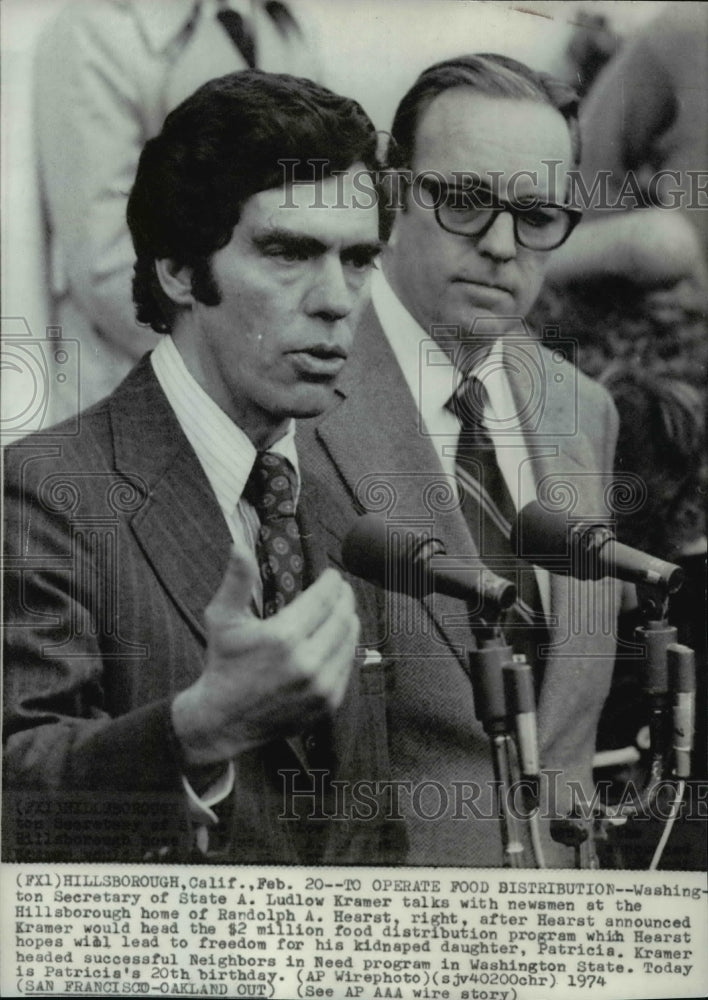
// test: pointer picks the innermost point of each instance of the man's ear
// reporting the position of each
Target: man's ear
(175, 280)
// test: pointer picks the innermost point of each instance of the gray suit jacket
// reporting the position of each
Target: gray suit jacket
(372, 452)
(115, 545)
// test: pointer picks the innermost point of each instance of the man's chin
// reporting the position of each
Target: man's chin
(488, 325)
(314, 402)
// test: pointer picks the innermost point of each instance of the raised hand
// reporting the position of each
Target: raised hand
(266, 678)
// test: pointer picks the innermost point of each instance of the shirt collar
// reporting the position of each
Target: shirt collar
(225, 452)
(163, 22)
(427, 368)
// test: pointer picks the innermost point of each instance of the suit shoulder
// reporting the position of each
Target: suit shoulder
(590, 391)
(76, 444)
(589, 388)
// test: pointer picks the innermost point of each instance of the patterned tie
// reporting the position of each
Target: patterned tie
(240, 34)
(489, 511)
(271, 489)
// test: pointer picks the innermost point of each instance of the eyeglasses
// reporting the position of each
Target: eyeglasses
(473, 211)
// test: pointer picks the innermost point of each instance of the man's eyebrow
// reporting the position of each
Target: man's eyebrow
(310, 244)
(286, 238)
(372, 247)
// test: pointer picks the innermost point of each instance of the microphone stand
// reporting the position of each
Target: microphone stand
(487, 664)
(412, 562)
(668, 667)
(494, 674)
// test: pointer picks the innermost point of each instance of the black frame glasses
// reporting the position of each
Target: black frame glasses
(472, 211)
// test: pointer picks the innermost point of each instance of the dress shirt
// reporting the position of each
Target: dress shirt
(432, 379)
(224, 451)
(227, 455)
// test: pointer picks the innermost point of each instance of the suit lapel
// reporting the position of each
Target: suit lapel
(180, 527)
(554, 440)
(564, 466)
(388, 463)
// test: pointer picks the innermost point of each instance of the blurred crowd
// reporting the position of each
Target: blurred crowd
(631, 286)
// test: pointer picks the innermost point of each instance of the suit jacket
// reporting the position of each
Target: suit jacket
(373, 453)
(115, 546)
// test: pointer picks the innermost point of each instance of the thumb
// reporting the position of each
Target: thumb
(233, 598)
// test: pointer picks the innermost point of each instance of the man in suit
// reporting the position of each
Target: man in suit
(481, 147)
(164, 699)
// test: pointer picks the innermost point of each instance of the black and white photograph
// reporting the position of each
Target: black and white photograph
(354, 362)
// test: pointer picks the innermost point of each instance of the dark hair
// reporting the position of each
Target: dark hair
(225, 143)
(486, 73)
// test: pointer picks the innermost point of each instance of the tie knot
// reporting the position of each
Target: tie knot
(468, 403)
(271, 486)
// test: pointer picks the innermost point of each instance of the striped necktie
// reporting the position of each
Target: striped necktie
(489, 511)
(271, 489)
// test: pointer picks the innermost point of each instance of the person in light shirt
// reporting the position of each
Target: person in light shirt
(107, 72)
(481, 147)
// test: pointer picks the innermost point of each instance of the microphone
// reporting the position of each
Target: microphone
(587, 550)
(411, 562)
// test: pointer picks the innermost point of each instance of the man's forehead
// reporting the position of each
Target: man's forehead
(337, 204)
(463, 130)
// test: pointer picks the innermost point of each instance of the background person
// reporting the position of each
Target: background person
(107, 74)
(448, 306)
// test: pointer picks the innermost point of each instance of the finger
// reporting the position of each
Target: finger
(310, 609)
(330, 649)
(346, 657)
(233, 598)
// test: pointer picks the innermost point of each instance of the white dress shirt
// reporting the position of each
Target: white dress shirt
(225, 452)
(432, 379)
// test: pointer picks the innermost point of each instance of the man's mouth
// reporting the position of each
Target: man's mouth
(493, 286)
(320, 360)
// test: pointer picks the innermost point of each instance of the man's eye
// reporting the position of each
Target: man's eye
(361, 261)
(459, 200)
(539, 218)
(290, 255)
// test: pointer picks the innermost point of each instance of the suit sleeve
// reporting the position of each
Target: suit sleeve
(87, 773)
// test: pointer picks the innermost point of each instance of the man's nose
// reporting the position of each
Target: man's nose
(499, 241)
(331, 296)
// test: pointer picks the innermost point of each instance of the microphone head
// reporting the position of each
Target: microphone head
(542, 537)
(403, 559)
(392, 560)
(588, 550)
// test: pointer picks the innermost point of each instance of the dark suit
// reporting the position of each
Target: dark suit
(115, 546)
(372, 454)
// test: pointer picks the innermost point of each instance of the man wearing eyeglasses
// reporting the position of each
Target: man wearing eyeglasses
(452, 418)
